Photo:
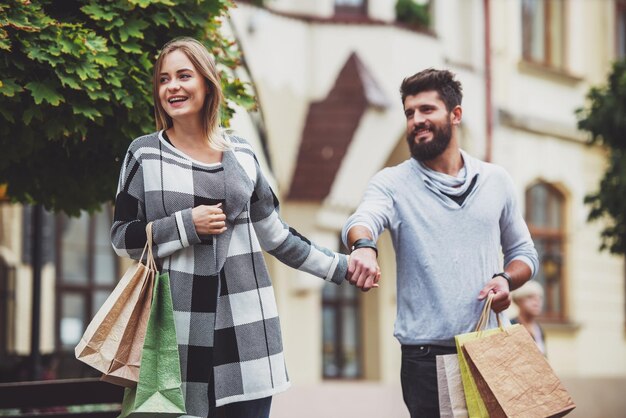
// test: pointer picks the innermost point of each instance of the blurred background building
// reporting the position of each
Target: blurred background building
(327, 75)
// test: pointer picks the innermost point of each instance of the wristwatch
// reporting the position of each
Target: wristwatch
(364, 243)
(506, 276)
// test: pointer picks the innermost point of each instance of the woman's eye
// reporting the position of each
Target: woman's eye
(162, 79)
(185, 76)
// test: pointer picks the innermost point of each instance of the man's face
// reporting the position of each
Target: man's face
(429, 125)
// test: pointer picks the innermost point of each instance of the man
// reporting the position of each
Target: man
(449, 215)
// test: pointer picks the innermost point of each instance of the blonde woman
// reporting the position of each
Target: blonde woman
(529, 300)
(213, 213)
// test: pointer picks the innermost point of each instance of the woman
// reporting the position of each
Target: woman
(212, 212)
(529, 300)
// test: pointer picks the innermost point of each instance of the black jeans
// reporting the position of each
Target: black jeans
(419, 379)
(256, 408)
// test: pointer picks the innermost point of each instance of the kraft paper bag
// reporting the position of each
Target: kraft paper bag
(475, 404)
(451, 395)
(510, 370)
(158, 392)
(124, 369)
(120, 324)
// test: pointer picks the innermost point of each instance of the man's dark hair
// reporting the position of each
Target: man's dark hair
(441, 81)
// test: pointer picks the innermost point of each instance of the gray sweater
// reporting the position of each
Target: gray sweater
(445, 252)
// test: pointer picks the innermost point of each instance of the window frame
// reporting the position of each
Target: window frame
(351, 11)
(86, 291)
(547, 60)
(551, 235)
(337, 304)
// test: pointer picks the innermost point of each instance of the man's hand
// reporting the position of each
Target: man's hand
(363, 270)
(209, 219)
(501, 296)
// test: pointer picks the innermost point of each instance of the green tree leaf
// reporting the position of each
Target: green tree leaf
(44, 92)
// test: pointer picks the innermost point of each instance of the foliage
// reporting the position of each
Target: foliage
(413, 13)
(604, 117)
(75, 89)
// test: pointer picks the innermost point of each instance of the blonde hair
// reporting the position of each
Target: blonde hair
(530, 288)
(205, 65)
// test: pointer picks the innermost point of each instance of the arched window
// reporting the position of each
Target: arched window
(545, 208)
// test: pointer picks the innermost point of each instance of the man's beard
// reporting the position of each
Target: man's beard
(435, 147)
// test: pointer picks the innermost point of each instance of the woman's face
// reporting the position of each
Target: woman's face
(531, 305)
(182, 89)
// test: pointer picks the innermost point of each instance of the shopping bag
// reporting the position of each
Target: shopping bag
(124, 369)
(158, 392)
(445, 407)
(119, 325)
(451, 395)
(475, 404)
(510, 369)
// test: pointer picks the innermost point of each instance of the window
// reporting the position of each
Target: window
(341, 329)
(341, 332)
(620, 27)
(544, 215)
(543, 32)
(87, 271)
(350, 7)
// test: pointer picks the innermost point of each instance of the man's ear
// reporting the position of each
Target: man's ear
(456, 115)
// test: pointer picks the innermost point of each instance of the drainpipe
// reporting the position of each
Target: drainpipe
(488, 103)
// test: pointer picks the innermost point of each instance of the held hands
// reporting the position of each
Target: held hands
(501, 295)
(363, 270)
(209, 219)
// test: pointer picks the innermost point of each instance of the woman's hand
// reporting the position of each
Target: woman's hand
(209, 219)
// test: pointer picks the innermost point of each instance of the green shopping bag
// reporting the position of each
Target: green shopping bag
(475, 405)
(158, 392)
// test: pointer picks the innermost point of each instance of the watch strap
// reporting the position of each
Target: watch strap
(506, 276)
(364, 243)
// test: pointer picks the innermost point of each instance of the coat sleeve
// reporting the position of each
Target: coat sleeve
(285, 243)
(128, 233)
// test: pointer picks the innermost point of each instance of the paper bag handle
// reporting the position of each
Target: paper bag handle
(150, 263)
(484, 316)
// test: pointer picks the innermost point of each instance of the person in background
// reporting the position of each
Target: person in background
(529, 300)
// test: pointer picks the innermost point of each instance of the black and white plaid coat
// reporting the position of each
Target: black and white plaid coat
(227, 324)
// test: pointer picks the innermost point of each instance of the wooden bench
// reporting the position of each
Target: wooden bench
(52, 398)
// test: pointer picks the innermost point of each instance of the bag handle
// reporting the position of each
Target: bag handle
(484, 316)
(150, 263)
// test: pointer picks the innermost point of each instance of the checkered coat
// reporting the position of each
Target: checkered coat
(227, 323)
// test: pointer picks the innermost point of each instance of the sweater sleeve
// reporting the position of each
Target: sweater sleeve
(128, 233)
(285, 243)
(375, 210)
(515, 238)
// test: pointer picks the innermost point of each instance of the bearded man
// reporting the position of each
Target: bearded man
(451, 216)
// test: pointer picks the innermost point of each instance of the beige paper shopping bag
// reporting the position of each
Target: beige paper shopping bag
(110, 340)
(510, 370)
